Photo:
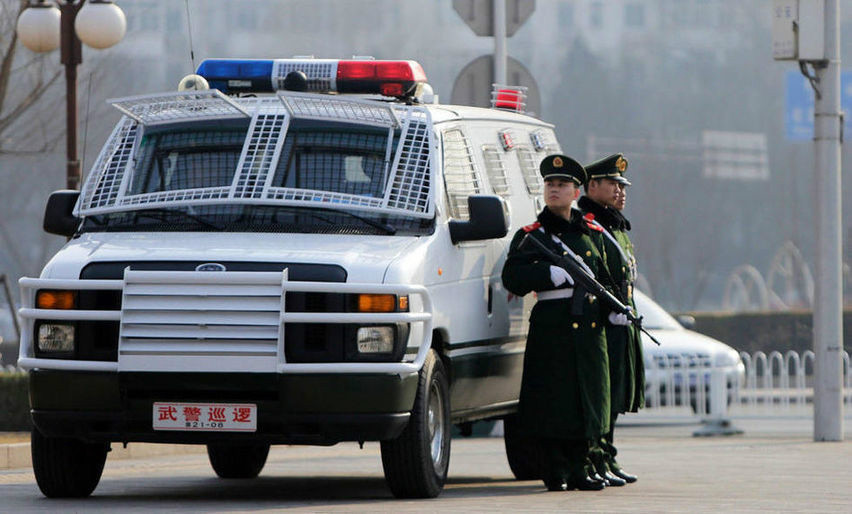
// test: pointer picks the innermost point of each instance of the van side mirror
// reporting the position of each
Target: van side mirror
(59, 216)
(487, 220)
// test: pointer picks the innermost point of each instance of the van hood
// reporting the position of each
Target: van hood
(682, 342)
(365, 258)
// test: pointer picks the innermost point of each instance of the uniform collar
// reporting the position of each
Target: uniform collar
(557, 224)
(606, 216)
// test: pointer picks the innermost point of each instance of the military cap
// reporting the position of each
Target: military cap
(612, 167)
(562, 166)
(621, 180)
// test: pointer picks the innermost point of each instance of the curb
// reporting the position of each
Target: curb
(17, 455)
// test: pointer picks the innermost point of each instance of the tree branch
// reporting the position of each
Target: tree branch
(8, 58)
(28, 101)
(11, 246)
(6, 68)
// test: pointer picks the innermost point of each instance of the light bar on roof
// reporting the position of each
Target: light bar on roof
(390, 78)
(237, 75)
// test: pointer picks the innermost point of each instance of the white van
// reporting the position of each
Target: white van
(297, 267)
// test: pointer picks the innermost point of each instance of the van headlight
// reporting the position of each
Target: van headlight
(55, 338)
(375, 340)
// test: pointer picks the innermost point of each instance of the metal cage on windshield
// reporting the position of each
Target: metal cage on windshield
(385, 166)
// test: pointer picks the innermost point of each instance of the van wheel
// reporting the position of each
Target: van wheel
(243, 460)
(66, 468)
(524, 454)
(416, 462)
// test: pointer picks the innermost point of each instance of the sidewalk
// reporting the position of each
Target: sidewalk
(774, 466)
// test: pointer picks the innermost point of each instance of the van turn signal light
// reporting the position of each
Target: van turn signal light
(51, 299)
(376, 303)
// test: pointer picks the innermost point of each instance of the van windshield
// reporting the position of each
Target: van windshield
(319, 159)
(190, 158)
(654, 316)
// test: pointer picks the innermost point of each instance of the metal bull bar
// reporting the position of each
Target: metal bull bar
(165, 325)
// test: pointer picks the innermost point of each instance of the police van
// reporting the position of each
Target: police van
(307, 252)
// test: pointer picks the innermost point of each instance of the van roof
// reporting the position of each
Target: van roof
(445, 113)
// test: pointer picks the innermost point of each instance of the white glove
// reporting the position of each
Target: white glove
(559, 276)
(618, 319)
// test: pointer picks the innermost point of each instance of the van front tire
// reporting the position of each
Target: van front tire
(65, 467)
(237, 460)
(416, 462)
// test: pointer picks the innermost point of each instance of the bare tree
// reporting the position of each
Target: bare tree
(32, 128)
(26, 124)
(29, 132)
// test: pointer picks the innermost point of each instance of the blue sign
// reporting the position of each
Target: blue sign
(799, 116)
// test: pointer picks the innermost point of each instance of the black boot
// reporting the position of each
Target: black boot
(556, 462)
(612, 480)
(583, 483)
(627, 477)
(610, 451)
(598, 469)
(578, 470)
(555, 484)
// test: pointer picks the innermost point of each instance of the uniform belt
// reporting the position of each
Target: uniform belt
(555, 294)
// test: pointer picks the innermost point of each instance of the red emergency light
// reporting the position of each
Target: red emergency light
(389, 78)
(510, 99)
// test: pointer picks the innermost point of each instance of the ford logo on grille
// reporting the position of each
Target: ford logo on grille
(210, 266)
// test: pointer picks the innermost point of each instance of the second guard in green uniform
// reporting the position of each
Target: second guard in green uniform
(600, 205)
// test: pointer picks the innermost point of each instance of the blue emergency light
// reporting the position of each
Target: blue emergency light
(238, 75)
(389, 78)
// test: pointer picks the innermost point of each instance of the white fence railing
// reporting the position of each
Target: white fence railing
(773, 383)
(784, 381)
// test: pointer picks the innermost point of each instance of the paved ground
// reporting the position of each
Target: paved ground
(773, 467)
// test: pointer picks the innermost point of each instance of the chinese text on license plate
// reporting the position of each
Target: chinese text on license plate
(216, 417)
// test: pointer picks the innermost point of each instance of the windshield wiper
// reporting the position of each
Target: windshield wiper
(314, 211)
(388, 229)
(161, 214)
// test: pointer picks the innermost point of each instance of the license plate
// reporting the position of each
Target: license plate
(205, 417)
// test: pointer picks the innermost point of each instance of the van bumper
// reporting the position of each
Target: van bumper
(319, 409)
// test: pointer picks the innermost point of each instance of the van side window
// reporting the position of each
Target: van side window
(496, 170)
(529, 161)
(460, 175)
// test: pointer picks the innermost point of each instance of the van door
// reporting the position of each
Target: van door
(487, 362)
(472, 326)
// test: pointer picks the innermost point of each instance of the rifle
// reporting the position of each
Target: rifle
(585, 283)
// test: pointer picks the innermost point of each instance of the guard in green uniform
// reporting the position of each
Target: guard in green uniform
(564, 400)
(604, 193)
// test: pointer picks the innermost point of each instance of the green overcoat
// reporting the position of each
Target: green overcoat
(624, 344)
(565, 384)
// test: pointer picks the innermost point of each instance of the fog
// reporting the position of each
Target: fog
(655, 79)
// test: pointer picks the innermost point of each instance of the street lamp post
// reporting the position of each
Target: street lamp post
(98, 24)
(71, 54)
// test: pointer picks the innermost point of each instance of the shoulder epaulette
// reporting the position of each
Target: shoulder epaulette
(530, 228)
(589, 218)
(594, 226)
